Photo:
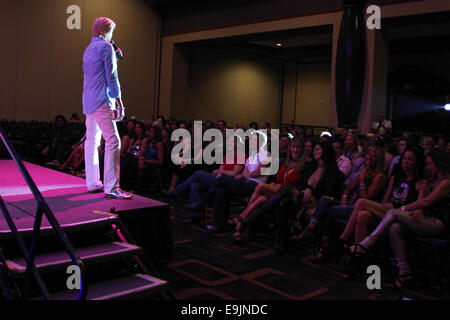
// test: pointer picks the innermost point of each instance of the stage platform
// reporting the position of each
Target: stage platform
(147, 220)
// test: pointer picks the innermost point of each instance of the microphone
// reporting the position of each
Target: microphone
(119, 53)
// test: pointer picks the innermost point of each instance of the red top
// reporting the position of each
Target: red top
(291, 177)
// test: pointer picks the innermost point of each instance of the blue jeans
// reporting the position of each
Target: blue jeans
(223, 189)
(204, 178)
(197, 184)
(322, 209)
(340, 212)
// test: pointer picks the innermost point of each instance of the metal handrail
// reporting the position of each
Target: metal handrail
(42, 209)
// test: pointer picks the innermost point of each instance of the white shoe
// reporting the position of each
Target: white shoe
(118, 194)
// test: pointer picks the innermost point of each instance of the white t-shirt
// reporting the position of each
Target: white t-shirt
(253, 162)
(382, 131)
(344, 164)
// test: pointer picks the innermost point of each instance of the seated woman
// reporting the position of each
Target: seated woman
(426, 217)
(129, 162)
(351, 146)
(405, 186)
(289, 173)
(323, 180)
(371, 176)
(165, 138)
(242, 184)
(309, 148)
(368, 185)
(129, 135)
(151, 158)
(60, 142)
(344, 164)
(180, 172)
(76, 158)
(402, 144)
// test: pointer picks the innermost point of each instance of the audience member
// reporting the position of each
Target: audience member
(381, 126)
(426, 217)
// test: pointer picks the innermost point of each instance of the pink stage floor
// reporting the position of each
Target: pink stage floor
(65, 194)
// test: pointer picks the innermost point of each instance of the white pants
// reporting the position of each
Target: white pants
(97, 123)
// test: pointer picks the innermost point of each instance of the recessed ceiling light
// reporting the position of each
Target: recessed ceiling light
(278, 44)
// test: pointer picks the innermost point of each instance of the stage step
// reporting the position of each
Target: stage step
(68, 224)
(89, 255)
(139, 286)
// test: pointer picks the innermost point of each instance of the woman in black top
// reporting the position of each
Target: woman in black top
(129, 162)
(426, 217)
(403, 188)
(323, 178)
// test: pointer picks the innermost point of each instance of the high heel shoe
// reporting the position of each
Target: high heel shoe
(359, 250)
(344, 243)
(307, 234)
(322, 256)
(402, 282)
(237, 236)
(358, 261)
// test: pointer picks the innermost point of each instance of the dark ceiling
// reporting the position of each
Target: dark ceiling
(180, 16)
(304, 44)
(418, 33)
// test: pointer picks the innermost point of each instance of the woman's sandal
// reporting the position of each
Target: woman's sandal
(358, 250)
(322, 256)
(344, 243)
(307, 233)
(237, 235)
(358, 254)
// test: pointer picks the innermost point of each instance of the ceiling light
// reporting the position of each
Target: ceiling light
(278, 44)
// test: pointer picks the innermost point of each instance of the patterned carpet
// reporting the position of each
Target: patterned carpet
(213, 266)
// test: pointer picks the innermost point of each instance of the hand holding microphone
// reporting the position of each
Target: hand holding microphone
(119, 53)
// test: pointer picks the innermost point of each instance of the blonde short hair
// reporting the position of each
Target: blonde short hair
(101, 26)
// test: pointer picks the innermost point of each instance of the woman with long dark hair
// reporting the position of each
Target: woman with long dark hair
(129, 162)
(129, 135)
(403, 188)
(323, 178)
(151, 160)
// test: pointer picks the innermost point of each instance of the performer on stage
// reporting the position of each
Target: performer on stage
(101, 93)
